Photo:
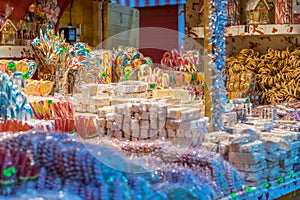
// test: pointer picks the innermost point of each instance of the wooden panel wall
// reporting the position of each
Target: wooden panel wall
(119, 19)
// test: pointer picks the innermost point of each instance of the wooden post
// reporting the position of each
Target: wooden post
(207, 72)
(97, 23)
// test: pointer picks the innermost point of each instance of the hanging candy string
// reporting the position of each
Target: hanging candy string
(217, 25)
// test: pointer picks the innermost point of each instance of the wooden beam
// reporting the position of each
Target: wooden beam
(97, 23)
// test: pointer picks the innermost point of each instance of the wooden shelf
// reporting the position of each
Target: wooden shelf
(16, 52)
(252, 30)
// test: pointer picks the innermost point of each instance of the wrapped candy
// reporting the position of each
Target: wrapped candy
(129, 58)
(13, 103)
(65, 165)
(181, 61)
(23, 66)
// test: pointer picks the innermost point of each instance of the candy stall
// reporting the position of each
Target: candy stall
(78, 122)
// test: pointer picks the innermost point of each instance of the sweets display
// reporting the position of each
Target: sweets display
(103, 182)
(276, 74)
(58, 109)
(152, 123)
(13, 102)
(137, 118)
(24, 66)
(127, 59)
(181, 61)
(258, 156)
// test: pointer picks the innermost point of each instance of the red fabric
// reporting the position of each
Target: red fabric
(161, 40)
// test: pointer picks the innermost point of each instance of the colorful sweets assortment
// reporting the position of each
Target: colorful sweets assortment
(151, 122)
(186, 61)
(102, 182)
(129, 58)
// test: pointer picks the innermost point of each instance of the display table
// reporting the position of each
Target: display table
(268, 191)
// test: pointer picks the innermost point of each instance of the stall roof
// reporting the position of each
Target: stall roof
(148, 3)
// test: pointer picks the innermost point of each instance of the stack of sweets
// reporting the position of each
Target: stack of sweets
(131, 89)
(89, 100)
(258, 157)
(244, 150)
(249, 159)
(287, 144)
(151, 119)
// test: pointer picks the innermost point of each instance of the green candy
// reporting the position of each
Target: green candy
(280, 180)
(25, 76)
(293, 175)
(127, 76)
(249, 189)
(11, 66)
(62, 51)
(233, 195)
(72, 132)
(9, 171)
(152, 85)
(266, 185)
(104, 75)
(50, 102)
(193, 77)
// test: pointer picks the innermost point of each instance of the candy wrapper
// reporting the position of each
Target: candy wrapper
(58, 109)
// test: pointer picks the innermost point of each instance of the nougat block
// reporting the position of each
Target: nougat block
(245, 158)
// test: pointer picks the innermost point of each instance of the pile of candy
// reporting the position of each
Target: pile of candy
(186, 61)
(129, 58)
(24, 66)
(167, 78)
(51, 50)
(283, 111)
(13, 102)
(40, 162)
(58, 109)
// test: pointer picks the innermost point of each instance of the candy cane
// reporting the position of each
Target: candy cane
(145, 73)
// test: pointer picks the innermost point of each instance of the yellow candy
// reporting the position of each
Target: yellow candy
(187, 77)
(22, 66)
(45, 88)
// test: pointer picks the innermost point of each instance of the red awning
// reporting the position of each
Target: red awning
(148, 3)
